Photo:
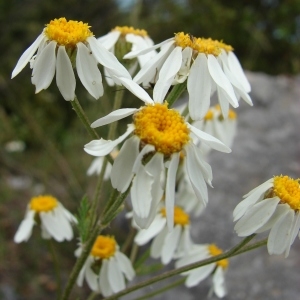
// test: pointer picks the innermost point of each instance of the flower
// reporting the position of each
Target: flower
(159, 137)
(273, 205)
(207, 65)
(216, 269)
(61, 46)
(123, 39)
(215, 124)
(105, 267)
(54, 219)
(96, 166)
(166, 244)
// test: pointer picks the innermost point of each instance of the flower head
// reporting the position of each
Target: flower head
(106, 267)
(54, 219)
(62, 46)
(207, 65)
(273, 205)
(166, 244)
(159, 136)
(216, 270)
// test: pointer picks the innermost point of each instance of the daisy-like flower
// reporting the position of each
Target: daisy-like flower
(207, 65)
(54, 219)
(64, 45)
(215, 124)
(216, 270)
(106, 267)
(273, 205)
(159, 135)
(122, 40)
(166, 244)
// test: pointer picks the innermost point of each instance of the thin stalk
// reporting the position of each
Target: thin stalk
(134, 252)
(175, 93)
(81, 260)
(83, 118)
(128, 240)
(56, 267)
(92, 296)
(142, 259)
(232, 252)
(162, 290)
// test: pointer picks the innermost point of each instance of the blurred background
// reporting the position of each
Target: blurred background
(41, 139)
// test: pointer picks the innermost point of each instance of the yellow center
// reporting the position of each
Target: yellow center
(288, 190)
(214, 250)
(104, 247)
(209, 115)
(126, 30)
(43, 203)
(201, 45)
(67, 33)
(161, 127)
(180, 217)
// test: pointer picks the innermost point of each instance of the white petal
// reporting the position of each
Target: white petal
(256, 217)
(107, 59)
(110, 39)
(265, 184)
(141, 197)
(44, 68)
(25, 228)
(49, 220)
(103, 147)
(64, 224)
(121, 173)
(224, 101)
(170, 189)
(145, 235)
(116, 115)
(88, 71)
(65, 78)
(115, 276)
(27, 55)
(91, 279)
(157, 244)
(135, 89)
(209, 139)
(219, 283)
(279, 237)
(196, 276)
(170, 244)
(125, 265)
(138, 162)
(221, 80)
(199, 88)
(105, 287)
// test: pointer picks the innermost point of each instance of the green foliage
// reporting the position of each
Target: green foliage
(83, 218)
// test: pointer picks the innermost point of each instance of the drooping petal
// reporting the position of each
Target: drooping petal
(103, 147)
(65, 78)
(196, 276)
(170, 189)
(27, 55)
(110, 39)
(44, 68)
(219, 282)
(170, 244)
(49, 220)
(88, 71)
(199, 88)
(25, 228)
(256, 217)
(138, 162)
(157, 244)
(125, 265)
(115, 276)
(116, 115)
(91, 279)
(105, 286)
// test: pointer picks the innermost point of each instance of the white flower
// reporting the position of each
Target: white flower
(123, 39)
(161, 134)
(206, 64)
(166, 244)
(216, 125)
(106, 267)
(217, 269)
(96, 166)
(273, 205)
(54, 219)
(61, 46)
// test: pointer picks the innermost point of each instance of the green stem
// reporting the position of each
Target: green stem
(56, 267)
(175, 93)
(129, 239)
(92, 296)
(134, 252)
(81, 260)
(83, 118)
(232, 252)
(162, 290)
(142, 259)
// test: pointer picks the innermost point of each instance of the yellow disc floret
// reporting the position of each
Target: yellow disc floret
(214, 250)
(43, 203)
(180, 216)
(288, 190)
(67, 33)
(201, 45)
(104, 247)
(161, 127)
(126, 30)
(209, 115)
